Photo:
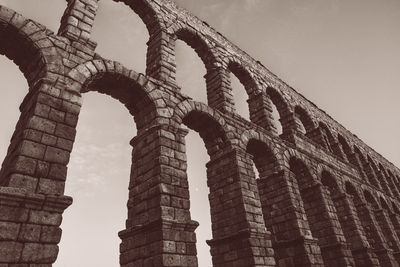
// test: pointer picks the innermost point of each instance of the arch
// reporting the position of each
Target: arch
(346, 148)
(210, 130)
(366, 168)
(211, 91)
(329, 181)
(152, 19)
(351, 190)
(200, 46)
(264, 158)
(328, 139)
(304, 176)
(133, 90)
(281, 105)
(244, 76)
(187, 106)
(254, 136)
(370, 199)
(28, 46)
(303, 119)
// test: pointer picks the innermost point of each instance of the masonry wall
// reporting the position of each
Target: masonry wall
(322, 198)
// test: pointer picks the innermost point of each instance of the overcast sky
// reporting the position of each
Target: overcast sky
(342, 55)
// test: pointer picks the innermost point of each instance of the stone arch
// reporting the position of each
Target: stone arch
(391, 179)
(303, 120)
(328, 139)
(384, 204)
(351, 190)
(145, 10)
(28, 46)
(328, 180)
(346, 148)
(245, 76)
(251, 135)
(187, 106)
(370, 199)
(304, 175)
(217, 96)
(226, 171)
(264, 158)
(366, 168)
(320, 213)
(282, 106)
(133, 90)
(200, 45)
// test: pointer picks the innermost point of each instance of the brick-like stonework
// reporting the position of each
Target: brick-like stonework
(323, 198)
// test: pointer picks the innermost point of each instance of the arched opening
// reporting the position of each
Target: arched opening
(391, 179)
(330, 182)
(320, 213)
(97, 180)
(241, 83)
(329, 140)
(265, 162)
(26, 54)
(384, 180)
(34, 10)
(202, 210)
(366, 168)
(190, 72)
(365, 217)
(370, 199)
(121, 35)
(303, 120)
(280, 110)
(349, 221)
(346, 149)
(269, 176)
(14, 89)
(101, 164)
(383, 220)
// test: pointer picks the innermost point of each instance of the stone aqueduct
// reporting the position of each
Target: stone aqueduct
(323, 198)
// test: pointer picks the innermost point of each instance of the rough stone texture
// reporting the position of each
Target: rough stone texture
(323, 198)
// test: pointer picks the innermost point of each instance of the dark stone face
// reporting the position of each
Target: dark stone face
(322, 198)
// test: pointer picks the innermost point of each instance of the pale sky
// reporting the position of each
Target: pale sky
(342, 55)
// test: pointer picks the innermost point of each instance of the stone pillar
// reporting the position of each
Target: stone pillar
(239, 234)
(289, 126)
(77, 21)
(219, 91)
(39, 152)
(159, 230)
(396, 223)
(33, 175)
(366, 173)
(353, 231)
(160, 56)
(325, 226)
(29, 227)
(375, 236)
(261, 111)
(291, 235)
(388, 231)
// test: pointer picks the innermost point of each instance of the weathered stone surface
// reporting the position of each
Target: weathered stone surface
(322, 198)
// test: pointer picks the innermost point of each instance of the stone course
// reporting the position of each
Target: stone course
(322, 198)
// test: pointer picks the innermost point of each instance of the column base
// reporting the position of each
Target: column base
(233, 250)
(298, 252)
(29, 227)
(160, 243)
